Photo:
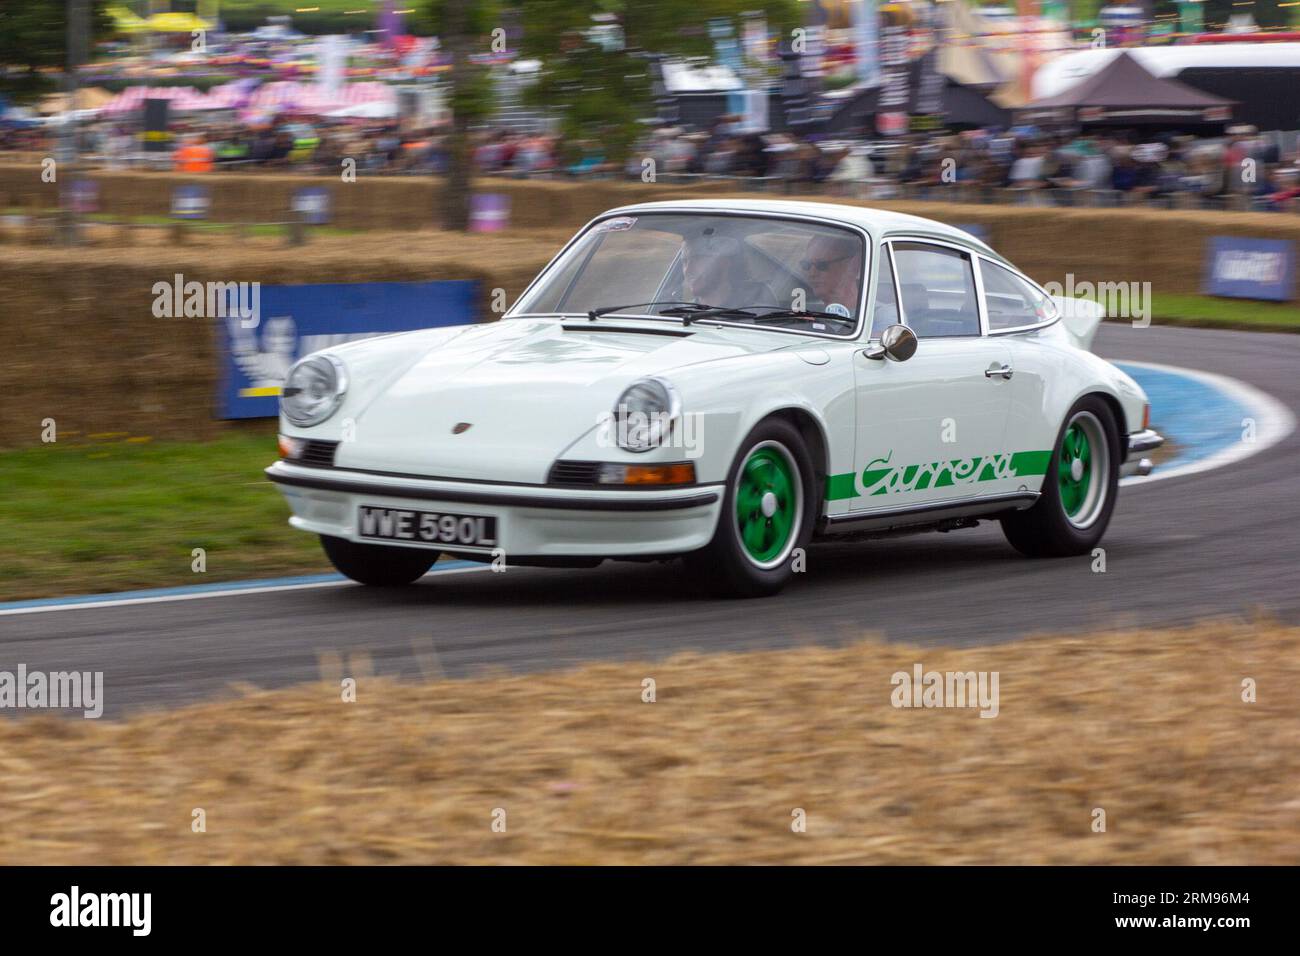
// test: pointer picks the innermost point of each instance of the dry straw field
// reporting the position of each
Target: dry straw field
(1149, 726)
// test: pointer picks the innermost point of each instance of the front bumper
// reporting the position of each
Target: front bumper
(1139, 443)
(532, 520)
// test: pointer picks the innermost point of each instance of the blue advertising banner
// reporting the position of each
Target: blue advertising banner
(290, 321)
(312, 205)
(81, 195)
(1250, 268)
(191, 202)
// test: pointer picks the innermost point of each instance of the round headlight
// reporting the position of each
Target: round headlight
(645, 413)
(313, 390)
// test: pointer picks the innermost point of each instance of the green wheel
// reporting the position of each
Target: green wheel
(1078, 493)
(771, 501)
(1081, 469)
(769, 504)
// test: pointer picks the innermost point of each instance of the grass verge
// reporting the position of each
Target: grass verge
(1204, 311)
(104, 228)
(1149, 726)
(117, 513)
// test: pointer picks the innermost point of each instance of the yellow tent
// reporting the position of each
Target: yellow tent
(126, 20)
(176, 23)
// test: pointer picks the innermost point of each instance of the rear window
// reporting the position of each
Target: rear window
(1010, 301)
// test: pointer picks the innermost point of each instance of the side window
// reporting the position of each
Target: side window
(937, 285)
(1010, 301)
(884, 311)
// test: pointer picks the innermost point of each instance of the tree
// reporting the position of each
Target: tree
(463, 28)
(598, 91)
(33, 33)
(1266, 14)
(603, 92)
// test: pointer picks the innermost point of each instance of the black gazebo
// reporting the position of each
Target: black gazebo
(1125, 94)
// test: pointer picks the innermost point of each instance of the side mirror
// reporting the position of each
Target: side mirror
(897, 343)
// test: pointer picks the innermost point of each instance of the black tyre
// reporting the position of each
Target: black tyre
(1078, 494)
(768, 511)
(379, 565)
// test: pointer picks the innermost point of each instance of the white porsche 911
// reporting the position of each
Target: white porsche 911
(722, 381)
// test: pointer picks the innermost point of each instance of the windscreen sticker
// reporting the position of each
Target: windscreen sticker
(618, 224)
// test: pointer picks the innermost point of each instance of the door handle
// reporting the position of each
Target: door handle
(998, 371)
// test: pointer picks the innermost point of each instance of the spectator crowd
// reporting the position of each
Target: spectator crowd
(1241, 169)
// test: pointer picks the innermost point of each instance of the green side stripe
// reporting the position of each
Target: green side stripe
(839, 487)
(1030, 462)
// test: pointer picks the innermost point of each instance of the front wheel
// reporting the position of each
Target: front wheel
(379, 565)
(768, 511)
(1079, 489)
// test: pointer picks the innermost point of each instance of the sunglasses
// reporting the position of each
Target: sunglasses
(821, 265)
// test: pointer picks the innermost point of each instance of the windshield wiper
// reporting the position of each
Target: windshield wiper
(689, 312)
(693, 312)
(783, 313)
(596, 313)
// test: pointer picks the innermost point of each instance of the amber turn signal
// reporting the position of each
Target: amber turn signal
(677, 473)
(291, 447)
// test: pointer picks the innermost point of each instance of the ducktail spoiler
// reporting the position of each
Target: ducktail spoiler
(1080, 318)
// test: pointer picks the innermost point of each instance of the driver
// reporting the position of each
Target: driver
(714, 272)
(832, 266)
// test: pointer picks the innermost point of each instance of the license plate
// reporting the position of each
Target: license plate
(428, 527)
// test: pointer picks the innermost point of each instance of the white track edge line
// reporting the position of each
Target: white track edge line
(167, 598)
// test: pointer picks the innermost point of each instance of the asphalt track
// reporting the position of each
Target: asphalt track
(1224, 541)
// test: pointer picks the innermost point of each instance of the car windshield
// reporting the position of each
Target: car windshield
(782, 273)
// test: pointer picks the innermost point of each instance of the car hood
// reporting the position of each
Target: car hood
(500, 402)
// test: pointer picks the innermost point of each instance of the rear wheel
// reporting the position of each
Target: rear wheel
(768, 511)
(1078, 493)
(379, 565)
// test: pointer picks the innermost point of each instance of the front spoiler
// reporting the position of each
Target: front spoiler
(1138, 443)
(516, 496)
(534, 522)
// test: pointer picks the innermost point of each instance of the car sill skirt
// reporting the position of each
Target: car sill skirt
(926, 514)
